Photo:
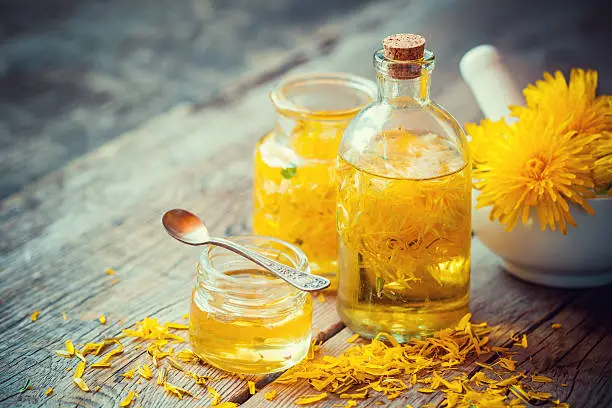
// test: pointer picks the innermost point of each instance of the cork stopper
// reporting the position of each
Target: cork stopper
(404, 47)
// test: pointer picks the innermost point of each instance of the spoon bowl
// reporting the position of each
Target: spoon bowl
(188, 228)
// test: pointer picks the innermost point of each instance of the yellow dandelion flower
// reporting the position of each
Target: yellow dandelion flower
(574, 106)
(536, 166)
(485, 138)
(602, 152)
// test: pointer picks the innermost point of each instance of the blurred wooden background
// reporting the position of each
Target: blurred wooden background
(77, 73)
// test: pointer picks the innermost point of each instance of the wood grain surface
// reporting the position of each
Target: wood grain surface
(102, 210)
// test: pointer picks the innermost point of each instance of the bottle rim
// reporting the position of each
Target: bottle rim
(216, 261)
(415, 68)
(364, 89)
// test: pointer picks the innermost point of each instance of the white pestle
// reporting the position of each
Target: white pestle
(484, 71)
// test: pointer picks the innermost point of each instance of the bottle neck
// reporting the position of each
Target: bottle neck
(404, 91)
(403, 82)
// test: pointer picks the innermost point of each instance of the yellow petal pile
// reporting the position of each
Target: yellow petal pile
(558, 153)
(430, 365)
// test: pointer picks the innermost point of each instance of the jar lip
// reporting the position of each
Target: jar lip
(292, 252)
(283, 105)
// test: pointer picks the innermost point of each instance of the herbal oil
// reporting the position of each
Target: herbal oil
(404, 223)
(297, 201)
(254, 333)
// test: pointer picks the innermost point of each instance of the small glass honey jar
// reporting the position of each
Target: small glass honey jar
(245, 320)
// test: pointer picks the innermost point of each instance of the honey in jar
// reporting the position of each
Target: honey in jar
(244, 319)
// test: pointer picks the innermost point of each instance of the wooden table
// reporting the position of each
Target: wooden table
(102, 210)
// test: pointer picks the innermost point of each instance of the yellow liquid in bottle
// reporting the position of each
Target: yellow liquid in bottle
(298, 204)
(262, 340)
(404, 223)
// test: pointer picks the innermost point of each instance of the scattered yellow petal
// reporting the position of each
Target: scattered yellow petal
(564, 385)
(352, 338)
(270, 395)
(162, 375)
(49, 391)
(186, 316)
(311, 399)
(63, 353)
(69, 347)
(101, 364)
(216, 397)
(128, 399)
(556, 325)
(80, 369)
(129, 373)
(150, 329)
(252, 389)
(34, 316)
(177, 326)
(177, 391)
(175, 364)
(102, 319)
(80, 357)
(359, 395)
(81, 384)
(109, 271)
(188, 356)
(97, 388)
(114, 281)
(64, 316)
(227, 405)
(541, 379)
(426, 390)
(145, 371)
(508, 363)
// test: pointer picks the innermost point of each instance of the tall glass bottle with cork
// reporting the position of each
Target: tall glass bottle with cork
(403, 204)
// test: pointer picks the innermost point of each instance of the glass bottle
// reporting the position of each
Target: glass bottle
(294, 185)
(244, 319)
(404, 204)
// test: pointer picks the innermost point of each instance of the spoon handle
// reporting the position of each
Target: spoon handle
(301, 280)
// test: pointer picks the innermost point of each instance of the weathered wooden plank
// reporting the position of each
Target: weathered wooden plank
(103, 210)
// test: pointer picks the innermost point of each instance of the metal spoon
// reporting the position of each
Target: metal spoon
(188, 228)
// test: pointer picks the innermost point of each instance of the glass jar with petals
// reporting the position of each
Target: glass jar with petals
(294, 181)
